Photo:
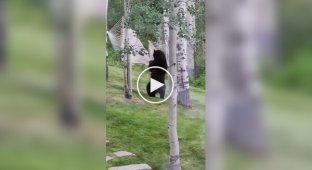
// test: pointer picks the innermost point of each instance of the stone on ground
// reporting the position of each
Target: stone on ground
(123, 154)
(132, 167)
(109, 158)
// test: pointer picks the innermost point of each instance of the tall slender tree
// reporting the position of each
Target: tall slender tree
(174, 160)
(106, 56)
(215, 100)
(191, 42)
(3, 16)
(67, 62)
(105, 21)
(233, 107)
(243, 121)
(127, 59)
(166, 30)
(182, 74)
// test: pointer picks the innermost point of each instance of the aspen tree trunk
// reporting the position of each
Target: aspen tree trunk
(191, 43)
(127, 59)
(67, 62)
(3, 20)
(107, 69)
(105, 20)
(267, 29)
(232, 81)
(215, 97)
(244, 121)
(174, 160)
(166, 30)
(166, 34)
(182, 76)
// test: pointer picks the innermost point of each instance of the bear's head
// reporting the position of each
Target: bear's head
(160, 59)
(158, 54)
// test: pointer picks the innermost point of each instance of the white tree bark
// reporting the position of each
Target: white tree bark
(3, 19)
(266, 11)
(174, 160)
(182, 74)
(127, 58)
(215, 99)
(191, 43)
(232, 81)
(166, 34)
(105, 20)
(244, 122)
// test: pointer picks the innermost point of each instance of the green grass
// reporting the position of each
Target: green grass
(141, 128)
(30, 135)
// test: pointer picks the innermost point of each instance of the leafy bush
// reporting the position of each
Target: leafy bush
(198, 82)
(114, 57)
(296, 73)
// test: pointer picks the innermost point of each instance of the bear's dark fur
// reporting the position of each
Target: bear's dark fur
(158, 74)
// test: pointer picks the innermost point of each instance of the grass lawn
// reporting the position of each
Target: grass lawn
(30, 135)
(141, 128)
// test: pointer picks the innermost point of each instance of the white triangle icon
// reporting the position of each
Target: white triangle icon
(155, 85)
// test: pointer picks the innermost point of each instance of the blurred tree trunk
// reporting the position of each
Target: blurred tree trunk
(127, 58)
(191, 43)
(244, 118)
(267, 24)
(233, 106)
(3, 24)
(174, 160)
(182, 74)
(67, 62)
(105, 19)
(215, 97)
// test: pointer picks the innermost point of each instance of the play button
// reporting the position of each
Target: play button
(153, 90)
(155, 85)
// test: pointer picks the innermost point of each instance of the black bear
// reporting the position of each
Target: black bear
(158, 74)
